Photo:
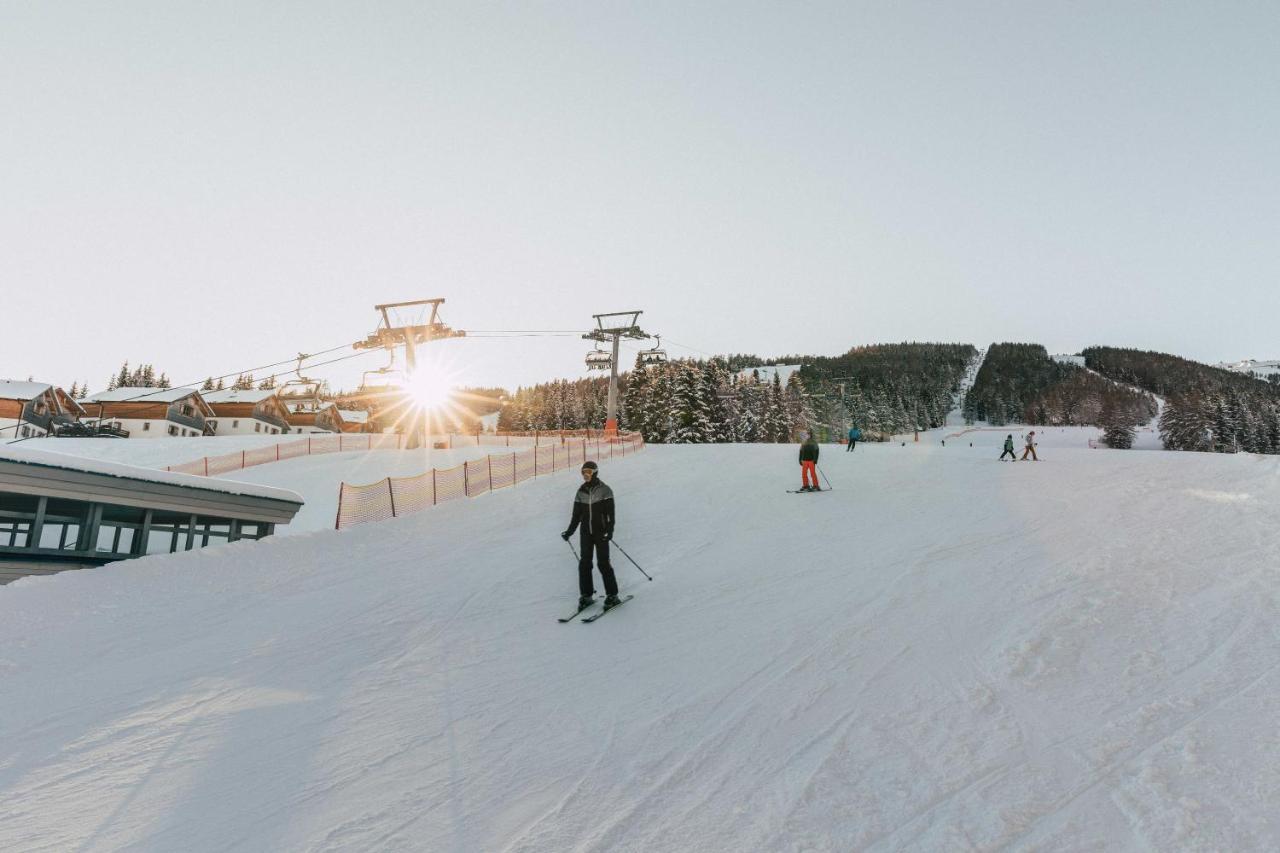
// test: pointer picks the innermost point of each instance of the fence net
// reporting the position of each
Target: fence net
(394, 497)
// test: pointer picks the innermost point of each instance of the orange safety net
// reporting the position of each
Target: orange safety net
(394, 497)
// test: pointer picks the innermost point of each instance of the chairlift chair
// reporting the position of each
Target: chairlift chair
(599, 359)
(655, 355)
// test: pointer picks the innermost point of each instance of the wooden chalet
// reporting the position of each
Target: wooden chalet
(30, 409)
(242, 411)
(151, 412)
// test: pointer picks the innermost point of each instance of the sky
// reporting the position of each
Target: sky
(212, 187)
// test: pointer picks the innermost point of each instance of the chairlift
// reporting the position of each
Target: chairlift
(302, 393)
(599, 359)
(655, 355)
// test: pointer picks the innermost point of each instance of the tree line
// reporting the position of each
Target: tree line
(1020, 383)
(1206, 408)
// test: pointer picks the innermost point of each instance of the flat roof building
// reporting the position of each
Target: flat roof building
(60, 512)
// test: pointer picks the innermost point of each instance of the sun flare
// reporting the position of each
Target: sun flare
(430, 388)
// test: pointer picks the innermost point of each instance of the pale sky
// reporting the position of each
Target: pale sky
(214, 186)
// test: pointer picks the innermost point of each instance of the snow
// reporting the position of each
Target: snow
(239, 395)
(142, 395)
(1077, 360)
(944, 653)
(767, 372)
(157, 453)
(135, 472)
(11, 389)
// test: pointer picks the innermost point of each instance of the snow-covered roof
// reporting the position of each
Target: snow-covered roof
(11, 389)
(767, 371)
(141, 395)
(354, 416)
(238, 395)
(53, 459)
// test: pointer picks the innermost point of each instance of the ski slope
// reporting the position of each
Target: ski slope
(944, 653)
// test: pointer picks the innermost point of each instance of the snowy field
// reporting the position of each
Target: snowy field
(944, 653)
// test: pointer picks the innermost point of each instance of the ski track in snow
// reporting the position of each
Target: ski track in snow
(944, 653)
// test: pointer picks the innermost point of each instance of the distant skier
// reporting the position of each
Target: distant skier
(1008, 448)
(809, 464)
(854, 435)
(1031, 447)
(593, 509)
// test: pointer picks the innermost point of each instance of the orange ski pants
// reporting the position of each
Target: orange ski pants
(809, 469)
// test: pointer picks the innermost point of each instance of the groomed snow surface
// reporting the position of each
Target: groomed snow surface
(944, 653)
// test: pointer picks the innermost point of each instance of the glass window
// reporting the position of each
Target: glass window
(173, 430)
(14, 533)
(168, 533)
(212, 531)
(146, 425)
(63, 521)
(235, 424)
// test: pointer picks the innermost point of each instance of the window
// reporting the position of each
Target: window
(146, 425)
(252, 530)
(63, 521)
(14, 533)
(173, 430)
(274, 431)
(235, 424)
(212, 531)
(17, 513)
(119, 530)
(168, 533)
(257, 427)
(26, 432)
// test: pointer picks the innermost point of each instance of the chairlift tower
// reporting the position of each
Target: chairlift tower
(389, 335)
(612, 328)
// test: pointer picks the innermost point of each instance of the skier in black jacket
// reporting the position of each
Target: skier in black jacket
(593, 510)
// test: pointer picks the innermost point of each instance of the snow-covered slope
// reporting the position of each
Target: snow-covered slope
(150, 452)
(945, 653)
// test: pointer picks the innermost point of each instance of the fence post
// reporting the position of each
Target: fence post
(337, 522)
(391, 493)
(308, 444)
(515, 474)
(466, 479)
(490, 458)
(433, 486)
(242, 458)
(277, 451)
(206, 466)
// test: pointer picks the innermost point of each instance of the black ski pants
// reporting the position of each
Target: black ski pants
(1012, 455)
(852, 444)
(601, 546)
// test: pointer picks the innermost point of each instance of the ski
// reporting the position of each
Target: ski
(574, 614)
(594, 616)
(802, 491)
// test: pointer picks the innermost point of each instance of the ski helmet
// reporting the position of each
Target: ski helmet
(589, 464)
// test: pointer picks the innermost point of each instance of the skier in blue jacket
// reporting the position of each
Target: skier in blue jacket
(854, 435)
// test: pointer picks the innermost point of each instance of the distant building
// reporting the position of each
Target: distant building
(766, 373)
(305, 419)
(1249, 365)
(60, 512)
(239, 411)
(30, 409)
(151, 412)
(349, 420)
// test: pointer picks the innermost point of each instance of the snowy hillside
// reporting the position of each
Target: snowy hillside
(944, 653)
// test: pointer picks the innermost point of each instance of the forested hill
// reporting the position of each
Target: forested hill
(1020, 383)
(1206, 408)
(887, 388)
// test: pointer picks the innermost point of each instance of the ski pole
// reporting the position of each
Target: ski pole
(633, 562)
(825, 477)
(574, 550)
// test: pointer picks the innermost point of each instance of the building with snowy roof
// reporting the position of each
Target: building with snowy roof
(151, 412)
(31, 409)
(60, 512)
(247, 411)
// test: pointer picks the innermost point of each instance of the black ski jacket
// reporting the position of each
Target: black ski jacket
(593, 509)
(809, 451)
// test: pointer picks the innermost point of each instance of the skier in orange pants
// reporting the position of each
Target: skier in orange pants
(809, 465)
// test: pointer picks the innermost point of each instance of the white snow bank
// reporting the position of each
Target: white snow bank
(151, 475)
(944, 653)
